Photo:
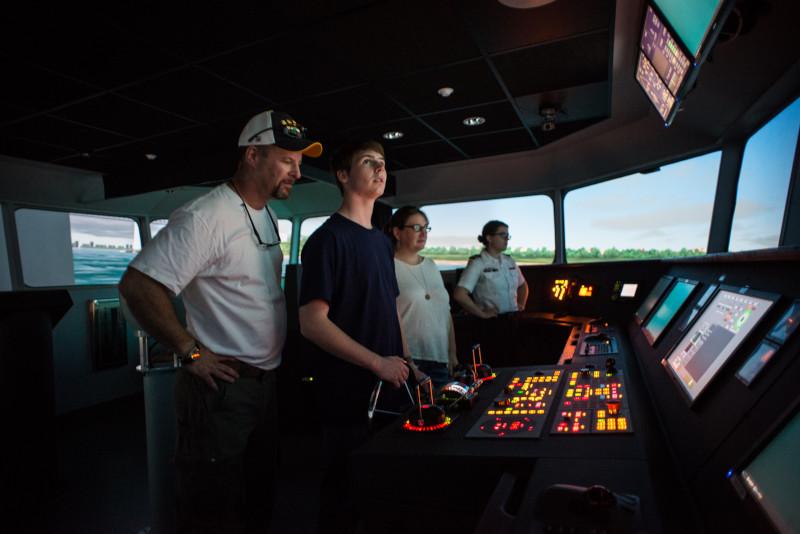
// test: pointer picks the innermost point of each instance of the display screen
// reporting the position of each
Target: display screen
(714, 337)
(773, 476)
(651, 299)
(664, 53)
(756, 362)
(668, 309)
(692, 19)
(655, 88)
(787, 324)
(628, 290)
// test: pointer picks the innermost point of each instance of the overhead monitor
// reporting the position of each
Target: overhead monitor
(773, 476)
(663, 65)
(668, 309)
(664, 53)
(693, 20)
(715, 336)
(650, 300)
(655, 89)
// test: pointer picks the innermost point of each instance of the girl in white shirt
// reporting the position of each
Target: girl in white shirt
(423, 303)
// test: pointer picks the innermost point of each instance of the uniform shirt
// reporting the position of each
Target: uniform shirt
(493, 282)
(208, 254)
(426, 322)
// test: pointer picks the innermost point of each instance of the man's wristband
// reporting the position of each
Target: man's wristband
(190, 356)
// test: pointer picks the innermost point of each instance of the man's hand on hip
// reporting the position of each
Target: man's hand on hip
(209, 366)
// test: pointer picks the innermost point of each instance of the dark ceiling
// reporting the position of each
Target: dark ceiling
(98, 90)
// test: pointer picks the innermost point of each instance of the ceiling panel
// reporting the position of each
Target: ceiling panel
(491, 144)
(572, 62)
(424, 154)
(37, 89)
(472, 83)
(500, 116)
(57, 132)
(114, 113)
(154, 78)
(36, 151)
(196, 95)
(498, 28)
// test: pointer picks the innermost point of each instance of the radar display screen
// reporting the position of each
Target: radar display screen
(668, 309)
(650, 300)
(773, 476)
(714, 337)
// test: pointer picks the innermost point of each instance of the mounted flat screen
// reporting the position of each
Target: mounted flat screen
(664, 52)
(787, 324)
(756, 362)
(715, 336)
(668, 309)
(650, 300)
(655, 89)
(773, 476)
(692, 20)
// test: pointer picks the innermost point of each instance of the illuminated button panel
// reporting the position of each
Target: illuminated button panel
(520, 410)
(594, 401)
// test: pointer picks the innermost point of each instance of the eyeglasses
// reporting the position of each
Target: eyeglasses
(261, 244)
(295, 132)
(504, 235)
(418, 227)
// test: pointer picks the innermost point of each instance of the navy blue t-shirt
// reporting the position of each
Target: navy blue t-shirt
(352, 269)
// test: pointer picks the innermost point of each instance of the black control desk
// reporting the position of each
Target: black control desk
(446, 481)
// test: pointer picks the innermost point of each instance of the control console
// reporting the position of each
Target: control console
(521, 409)
(594, 401)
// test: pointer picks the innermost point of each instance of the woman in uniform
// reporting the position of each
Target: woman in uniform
(423, 303)
(492, 286)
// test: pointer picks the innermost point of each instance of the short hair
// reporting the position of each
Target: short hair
(263, 149)
(342, 158)
(490, 228)
(400, 218)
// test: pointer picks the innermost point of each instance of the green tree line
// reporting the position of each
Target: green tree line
(542, 254)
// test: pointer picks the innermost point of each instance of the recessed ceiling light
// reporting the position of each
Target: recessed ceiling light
(473, 121)
(525, 4)
(150, 156)
(444, 92)
(391, 136)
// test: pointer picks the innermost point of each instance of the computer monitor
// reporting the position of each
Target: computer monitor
(650, 300)
(772, 477)
(663, 65)
(655, 89)
(715, 336)
(694, 21)
(668, 309)
(664, 53)
(787, 324)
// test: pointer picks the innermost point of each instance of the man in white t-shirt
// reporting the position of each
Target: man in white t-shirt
(221, 253)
